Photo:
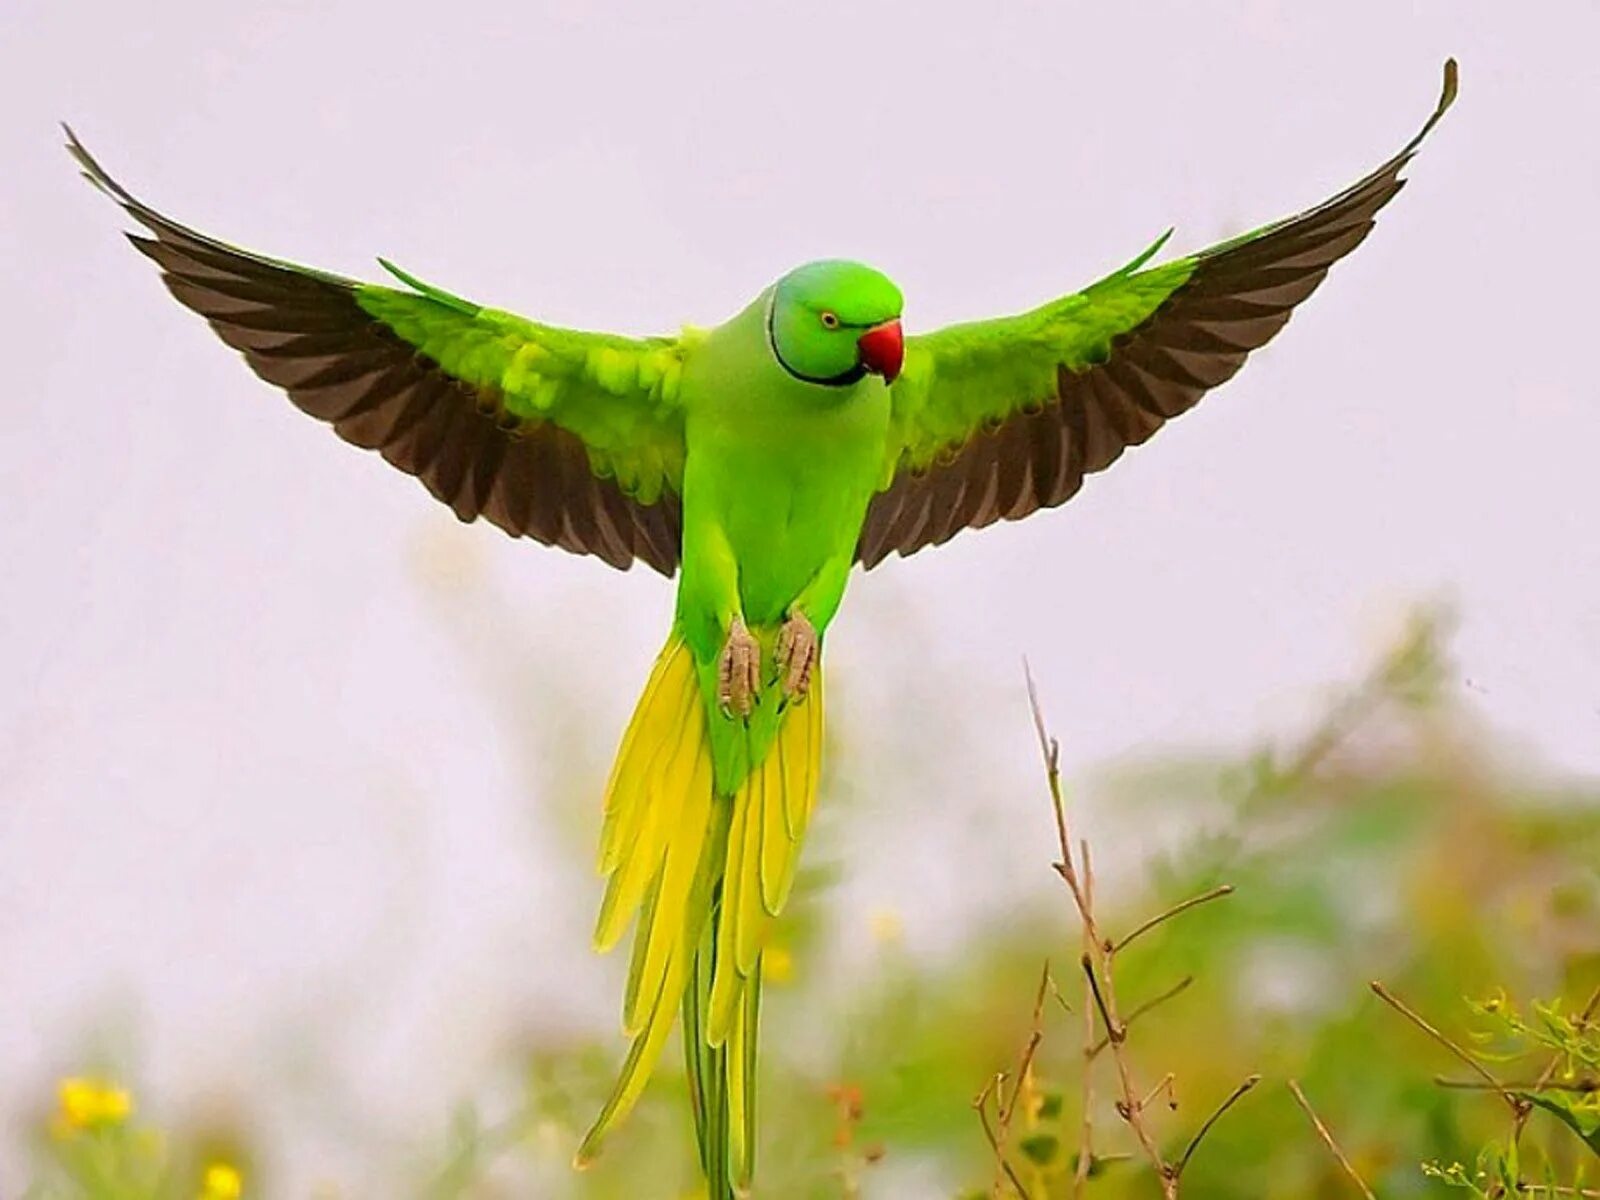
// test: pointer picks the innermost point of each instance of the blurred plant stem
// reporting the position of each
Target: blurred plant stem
(1098, 960)
(1326, 1135)
(1394, 840)
(1575, 1041)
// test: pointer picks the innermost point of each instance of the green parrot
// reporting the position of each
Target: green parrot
(762, 459)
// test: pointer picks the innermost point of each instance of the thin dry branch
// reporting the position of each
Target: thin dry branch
(1148, 1005)
(1030, 1048)
(1234, 1097)
(1098, 962)
(998, 1134)
(1050, 750)
(1215, 893)
(1400, 1006)
(1115, 1031)
(1168, 1084)
(1327, 1140)
(980, 1103)
(1080, 1174)
(1581, 1087)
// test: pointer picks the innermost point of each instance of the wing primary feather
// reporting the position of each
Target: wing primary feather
(338, 348)
(1136, 348)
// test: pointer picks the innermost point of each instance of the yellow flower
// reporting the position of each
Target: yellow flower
(222, 1182)
(886, 926)
(91, 1104)
(777, 964)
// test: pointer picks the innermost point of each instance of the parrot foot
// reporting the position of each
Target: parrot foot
(738, 672)
(796, 655)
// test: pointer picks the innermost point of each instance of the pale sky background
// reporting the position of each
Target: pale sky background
(275, 732)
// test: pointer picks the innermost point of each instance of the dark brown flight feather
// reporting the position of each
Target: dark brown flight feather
(303, 331)
(1241, 293)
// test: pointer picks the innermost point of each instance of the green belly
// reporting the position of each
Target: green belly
(789, 494)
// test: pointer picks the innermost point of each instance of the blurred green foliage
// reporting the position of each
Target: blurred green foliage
(94, 1146)
(1391, 843)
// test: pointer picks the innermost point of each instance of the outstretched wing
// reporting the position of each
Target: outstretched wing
(997, 419)
(574, 439)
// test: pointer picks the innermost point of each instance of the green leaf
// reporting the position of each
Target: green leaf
(1579, 1112)
(1041, 1149)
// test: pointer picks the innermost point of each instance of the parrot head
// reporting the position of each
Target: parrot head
(835, 322)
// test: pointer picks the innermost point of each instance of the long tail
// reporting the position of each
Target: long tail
(706, 873)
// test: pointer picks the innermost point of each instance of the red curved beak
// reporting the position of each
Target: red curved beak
(883, 350)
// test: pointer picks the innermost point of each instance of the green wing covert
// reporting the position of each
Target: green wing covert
(997, 419)
(573, 439)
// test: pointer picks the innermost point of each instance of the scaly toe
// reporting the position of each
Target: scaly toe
(738, 672)
(797, 655)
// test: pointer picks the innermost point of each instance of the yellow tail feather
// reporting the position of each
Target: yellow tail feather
(668, 844)
(770, 813)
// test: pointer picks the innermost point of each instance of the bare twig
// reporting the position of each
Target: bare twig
(1194, 1142)
(1175, 989)
(1515, 1094)
(1167, 1084)
(1080, 1174)
(1582, 1087)
(1405, 1010)
(1115, 1033)
(1047, 744)
(981, 1104)
(1098, 960)
(1100, 985)
(1327, 1140)
(1035, 1036)
(998, 1133)
(1215, 893)
(1055, 992)
(1050, 749)
(1023, 1079)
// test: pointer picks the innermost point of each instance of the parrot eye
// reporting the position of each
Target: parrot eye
(829, 320)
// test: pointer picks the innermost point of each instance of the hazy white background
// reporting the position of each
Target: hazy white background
(276, 734)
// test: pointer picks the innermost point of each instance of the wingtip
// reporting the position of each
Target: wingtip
(91, 169)
(1448, 90)
(1451, 87)
(75, 147)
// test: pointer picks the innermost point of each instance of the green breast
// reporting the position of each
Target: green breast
(784, 468)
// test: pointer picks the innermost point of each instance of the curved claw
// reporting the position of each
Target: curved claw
(738, 672)
(796, 655)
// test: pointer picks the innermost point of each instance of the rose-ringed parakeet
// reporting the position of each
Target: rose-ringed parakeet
(764, 458)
